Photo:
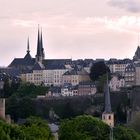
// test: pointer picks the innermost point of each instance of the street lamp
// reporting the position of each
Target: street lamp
(1, 87)
(111, 133)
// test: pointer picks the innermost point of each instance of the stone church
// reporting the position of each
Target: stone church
(28, 62)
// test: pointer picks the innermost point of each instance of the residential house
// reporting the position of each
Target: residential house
(53, 75)
(86, 88)
(75, 76)
(118, 66)
(116, 82)
(130, 75)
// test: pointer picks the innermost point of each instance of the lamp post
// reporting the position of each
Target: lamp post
(111, 133)
(1, 87)
(2, 100)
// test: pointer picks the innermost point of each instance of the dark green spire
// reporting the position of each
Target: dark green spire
(28, 57)
(38, 44)
(107, 97)
(41, 44)
(28, 46)
(40, 50)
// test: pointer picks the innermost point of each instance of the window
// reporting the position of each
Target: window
(109, 117)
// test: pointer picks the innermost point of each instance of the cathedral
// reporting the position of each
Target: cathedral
(28, 63)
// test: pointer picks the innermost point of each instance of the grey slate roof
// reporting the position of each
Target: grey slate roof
(55, 89)
(130, 68)
(115, 61)
(76, 72)
(53, 62)
(38, 66)
(10, 71)
(22, 62)
(52, 67)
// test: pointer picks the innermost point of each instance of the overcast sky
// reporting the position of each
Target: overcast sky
(71, 28)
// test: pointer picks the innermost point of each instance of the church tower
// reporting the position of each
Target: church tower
(108, 115)
(137, 54)
(40, 55)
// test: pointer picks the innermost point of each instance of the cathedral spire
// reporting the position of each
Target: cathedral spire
(28, 46)
(41, 44)
(38, 54)
(138, 39)
(40, 50)
(38, 43)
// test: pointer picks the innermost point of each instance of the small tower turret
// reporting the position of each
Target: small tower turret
(2, 108)
(28, 57)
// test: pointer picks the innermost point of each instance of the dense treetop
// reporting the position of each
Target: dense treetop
(98, 69)
(90, 128)
(33, 129)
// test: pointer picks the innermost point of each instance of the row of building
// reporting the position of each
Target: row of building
(82, 89)
(59, 72)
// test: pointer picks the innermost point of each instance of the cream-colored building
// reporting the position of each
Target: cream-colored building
(35, 76)
(54, 76)
(39, 75)
(75, 77)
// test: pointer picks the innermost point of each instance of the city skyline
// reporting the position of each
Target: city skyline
(93, 29)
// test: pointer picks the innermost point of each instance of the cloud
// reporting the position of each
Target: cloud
(128, 5)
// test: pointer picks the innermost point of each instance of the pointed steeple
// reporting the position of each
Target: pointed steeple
(38, 43)
(137, 53)
(28, 46)
(38, 54)
(107, 115)
(40, 50)
(28, 57)
(107, 98)
(41, 44)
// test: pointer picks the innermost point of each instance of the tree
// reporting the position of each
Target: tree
(97, 70)
(83, 128)
(20, 107)
(30, 90)
(90, 128)
(36, 129)
(122, 133)
(135, 123)
(98, 74)
(33, 129)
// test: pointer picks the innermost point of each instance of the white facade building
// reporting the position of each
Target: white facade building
(116, 83)
(118, 66)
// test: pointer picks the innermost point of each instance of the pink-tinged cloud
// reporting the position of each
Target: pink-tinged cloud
(129, 5)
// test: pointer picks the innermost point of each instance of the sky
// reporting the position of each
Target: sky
(76, 29)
